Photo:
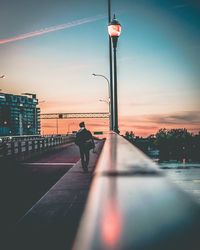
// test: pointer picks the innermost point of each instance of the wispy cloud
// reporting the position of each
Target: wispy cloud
(187, 117)
(52, 29)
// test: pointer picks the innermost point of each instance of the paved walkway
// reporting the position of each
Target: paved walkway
(23, 184)
(52, 222)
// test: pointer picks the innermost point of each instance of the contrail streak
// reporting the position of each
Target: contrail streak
(52, 29)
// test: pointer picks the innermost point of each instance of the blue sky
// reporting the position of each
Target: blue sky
(158, 59)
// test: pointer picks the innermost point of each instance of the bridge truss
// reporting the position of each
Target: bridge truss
(74, 115)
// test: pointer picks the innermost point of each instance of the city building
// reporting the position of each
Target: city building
(19, 114)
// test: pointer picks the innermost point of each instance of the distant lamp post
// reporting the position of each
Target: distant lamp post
(69, 125)
(114, 30)
(103, 100)
(109, 99)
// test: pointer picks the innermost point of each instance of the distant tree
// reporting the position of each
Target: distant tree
(151, 142)
(174, 144)
(132, 135)
(195, 147)
(139, 142)
(129, 136)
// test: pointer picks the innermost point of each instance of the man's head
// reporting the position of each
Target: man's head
(82, 125)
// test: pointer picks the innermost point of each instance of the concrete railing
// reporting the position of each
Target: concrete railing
(27, 146)
(132, 205)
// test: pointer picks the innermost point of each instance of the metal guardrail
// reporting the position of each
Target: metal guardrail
(27, 146)
(133, 206)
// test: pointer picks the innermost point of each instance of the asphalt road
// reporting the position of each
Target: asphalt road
(54, 217)
(68, 155)
(22, 185)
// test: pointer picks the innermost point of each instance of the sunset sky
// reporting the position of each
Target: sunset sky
(51, 48)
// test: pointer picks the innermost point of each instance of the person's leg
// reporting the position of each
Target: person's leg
(87, 156)
(82, 157)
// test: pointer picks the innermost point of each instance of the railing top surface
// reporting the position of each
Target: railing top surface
(132, 205)
(121, 158)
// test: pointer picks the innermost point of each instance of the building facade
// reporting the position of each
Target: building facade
(19, 115)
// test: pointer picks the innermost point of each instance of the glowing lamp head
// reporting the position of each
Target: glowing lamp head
(114, 28)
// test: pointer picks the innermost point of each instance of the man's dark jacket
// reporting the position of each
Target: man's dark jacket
(82, 136)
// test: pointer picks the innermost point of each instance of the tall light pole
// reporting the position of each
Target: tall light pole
(114, 30)
(111, 70)
(57, 126)
(68, 131)
(3, 76)
(109, 99)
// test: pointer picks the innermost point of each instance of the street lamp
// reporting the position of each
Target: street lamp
(68, 130)
(103, 100)
(3, 76)
(114, 30)
(109, 99)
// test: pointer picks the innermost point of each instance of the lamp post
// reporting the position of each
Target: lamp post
(102, 100)
(72, 123)
(109, 99)
(111, 69)
(3, 76)
(57, 126)
(114, 30)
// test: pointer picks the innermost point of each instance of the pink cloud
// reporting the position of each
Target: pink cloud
(51, 29)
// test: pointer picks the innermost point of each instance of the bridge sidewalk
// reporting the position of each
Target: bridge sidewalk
(52, 222)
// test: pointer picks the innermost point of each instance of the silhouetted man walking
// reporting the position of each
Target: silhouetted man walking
(85, 141)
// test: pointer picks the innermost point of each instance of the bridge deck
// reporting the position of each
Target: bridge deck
(52, 222)
(131, 205)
